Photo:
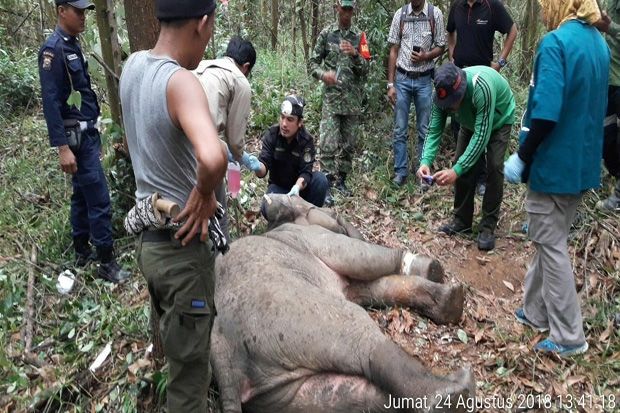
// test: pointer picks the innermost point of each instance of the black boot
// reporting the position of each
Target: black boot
(341, 186)
(329, 199)
(109, 269)
(84, 254)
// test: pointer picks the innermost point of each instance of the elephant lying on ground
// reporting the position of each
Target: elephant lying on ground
(291, 335)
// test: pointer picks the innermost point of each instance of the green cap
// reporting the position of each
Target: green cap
(347, 3)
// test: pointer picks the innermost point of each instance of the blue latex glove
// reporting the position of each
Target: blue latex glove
(231, 158)
(513, 169)
(294, 190)
(251, 162)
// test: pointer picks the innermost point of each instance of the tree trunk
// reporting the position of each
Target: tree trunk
(48, 16)
(142, 30)
(294, 27)
(315, 21)
(106, 22)
(275, 18)
(304, 30)
(529, 38)
(142, 25)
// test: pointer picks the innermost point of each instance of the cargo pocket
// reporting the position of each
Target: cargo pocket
(540, 209)
(94, 186)
(188, 331)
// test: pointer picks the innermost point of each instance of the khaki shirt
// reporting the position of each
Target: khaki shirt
(229, 95)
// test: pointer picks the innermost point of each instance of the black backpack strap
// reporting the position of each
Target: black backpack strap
(403, 16)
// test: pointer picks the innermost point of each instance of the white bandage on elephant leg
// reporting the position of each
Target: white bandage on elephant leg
(422, 266)
(405, 266)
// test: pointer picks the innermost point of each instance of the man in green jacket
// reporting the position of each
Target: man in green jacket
(610, 24)
(481, 100)
(336, 62)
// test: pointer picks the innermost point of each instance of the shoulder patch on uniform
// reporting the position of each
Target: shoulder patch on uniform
(307, 156)
(72, 57)
(46, 63)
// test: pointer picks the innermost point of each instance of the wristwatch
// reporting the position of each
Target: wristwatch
(502, 62)
(389, 85)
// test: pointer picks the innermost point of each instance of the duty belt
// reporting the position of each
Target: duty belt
(414, 75)
(165, 235)
(89, 125)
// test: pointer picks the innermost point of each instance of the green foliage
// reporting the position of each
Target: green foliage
(121, 180)
(75, 99)
(34, 200)
(272, 79)
(19, 80)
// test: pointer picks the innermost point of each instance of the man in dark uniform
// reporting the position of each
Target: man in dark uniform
(71, 111)
(288, 155)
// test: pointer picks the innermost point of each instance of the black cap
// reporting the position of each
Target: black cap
(450, 85)
(79, 4)
(184, 9)
(293, 106)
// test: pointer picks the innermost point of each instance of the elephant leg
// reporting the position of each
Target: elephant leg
(223, 372)
(316, 216)
(360, 260)
(442, 303)
(325, 392)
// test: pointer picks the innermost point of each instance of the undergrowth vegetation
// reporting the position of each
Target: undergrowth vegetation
(69, 331)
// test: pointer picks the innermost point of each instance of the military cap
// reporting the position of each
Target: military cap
(79, 4)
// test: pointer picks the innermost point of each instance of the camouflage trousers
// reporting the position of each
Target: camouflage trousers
(338, 134)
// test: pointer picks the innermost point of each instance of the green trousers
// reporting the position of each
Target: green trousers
(338, 134)
(181, 283)
(465, 186)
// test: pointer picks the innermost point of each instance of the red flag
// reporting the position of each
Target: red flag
(364, 50)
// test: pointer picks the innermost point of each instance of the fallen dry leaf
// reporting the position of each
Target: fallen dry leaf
(482, 260)
(478, 336)
(509, 285)
(371, 194)
(574, 380)
(538, 388)
(605, 335)
(139, 364)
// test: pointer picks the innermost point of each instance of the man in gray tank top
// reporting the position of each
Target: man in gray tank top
(175, 151)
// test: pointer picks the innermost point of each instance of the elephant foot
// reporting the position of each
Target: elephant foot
(422, 266)
(449, 308)
(459, 396)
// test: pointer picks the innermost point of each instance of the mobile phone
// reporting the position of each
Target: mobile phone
(416, 49)
(429, 180)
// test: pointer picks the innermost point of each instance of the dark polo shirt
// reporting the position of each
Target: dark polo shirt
(287, 161)
(475, 28)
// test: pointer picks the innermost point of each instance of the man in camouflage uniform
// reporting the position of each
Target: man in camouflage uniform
(337, 63)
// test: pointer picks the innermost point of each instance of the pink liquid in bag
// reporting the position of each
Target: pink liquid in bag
(234, 179)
